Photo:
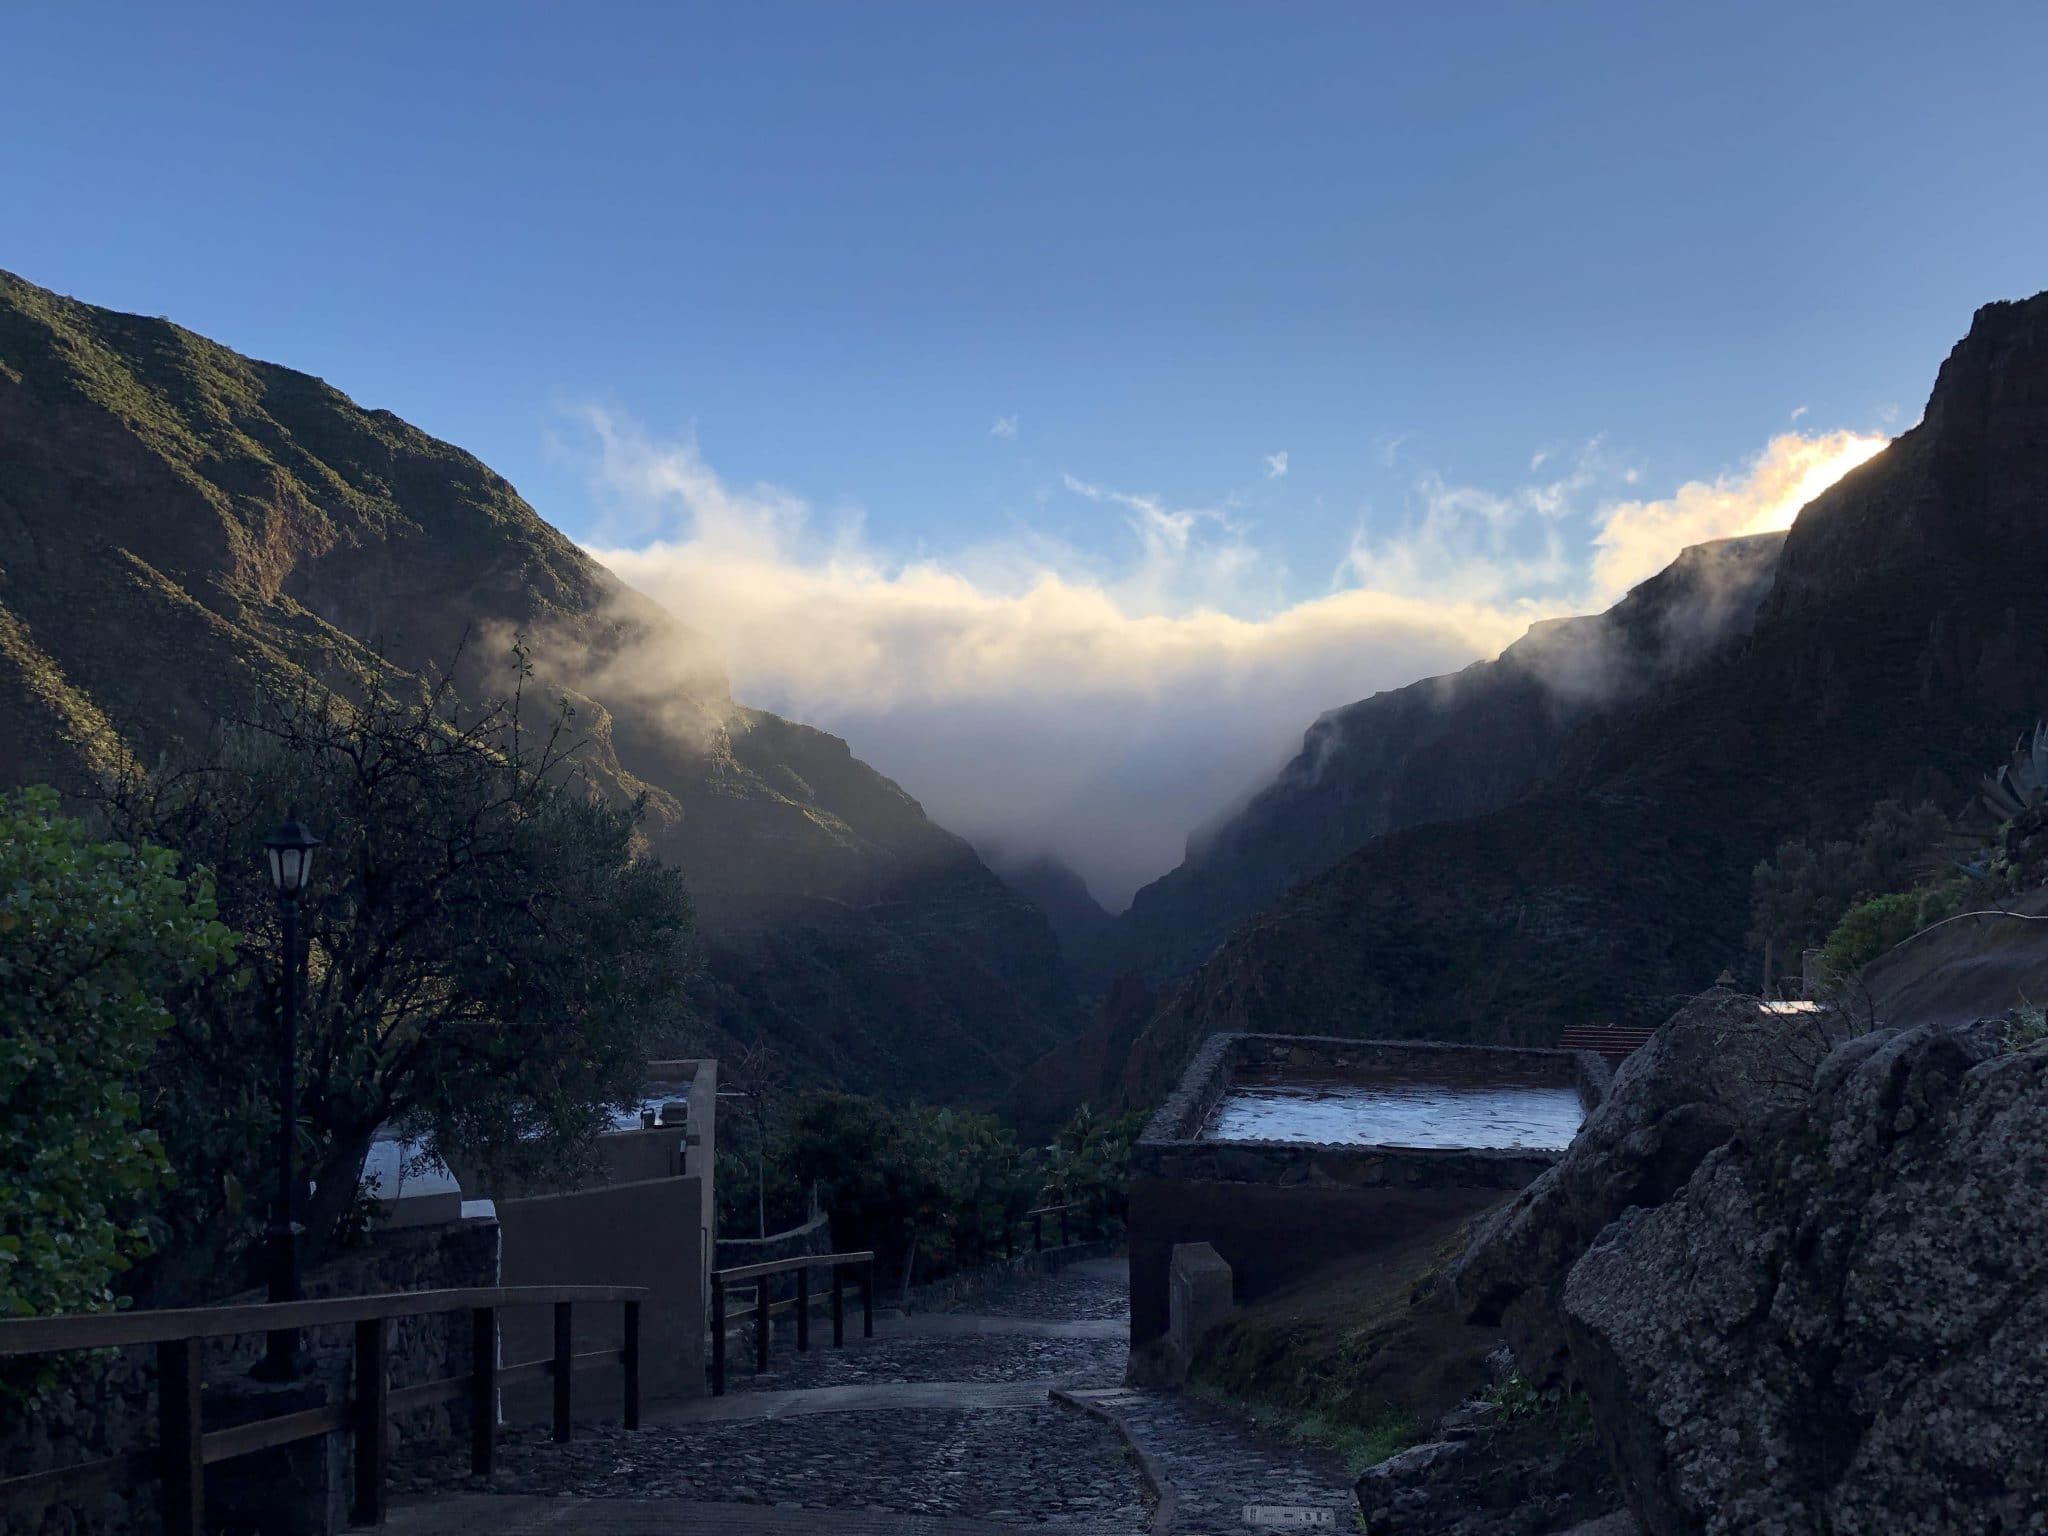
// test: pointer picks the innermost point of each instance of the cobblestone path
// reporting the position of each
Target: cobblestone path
(1216, 1465)
(980, 1446)
(941, 1425)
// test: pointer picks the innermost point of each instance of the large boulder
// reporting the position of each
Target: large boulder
(1840, 1325)
(1717, 1067)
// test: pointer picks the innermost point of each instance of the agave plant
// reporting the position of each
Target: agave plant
(2021, 785)
(2017, 857)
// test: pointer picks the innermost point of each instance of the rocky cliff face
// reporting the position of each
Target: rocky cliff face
(1837, 1327)
(1795, 1265)
(1904, 639)
(1437, 750)
(182, 529)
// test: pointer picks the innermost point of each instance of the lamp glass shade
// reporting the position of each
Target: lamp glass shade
(291, 856)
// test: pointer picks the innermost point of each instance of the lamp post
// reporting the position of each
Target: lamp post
(291, 860)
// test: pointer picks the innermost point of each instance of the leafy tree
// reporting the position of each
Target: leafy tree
(92, 936)
(1090, 1166)
(488, 955)
(895, 1179)
(748, 1158)
(1800, 893)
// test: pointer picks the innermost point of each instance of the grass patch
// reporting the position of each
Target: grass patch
(1568, 1415)
(1361, 1357)
(1359, 1445)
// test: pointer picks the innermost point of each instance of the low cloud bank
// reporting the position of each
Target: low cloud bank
(1037, 696)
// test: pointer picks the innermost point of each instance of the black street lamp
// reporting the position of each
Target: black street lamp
(291, 861)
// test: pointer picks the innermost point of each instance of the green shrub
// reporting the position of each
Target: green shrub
(1090, 1166)
(1869, 929)
(893, 1177)
(92, 935)
(2027, 1026)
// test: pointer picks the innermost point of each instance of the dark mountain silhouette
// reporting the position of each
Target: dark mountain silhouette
(1436, 750)
(182, 529)
(1056, 890)
(1903, 643)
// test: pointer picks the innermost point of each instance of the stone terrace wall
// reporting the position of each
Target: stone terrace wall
(1183, 1113)
(1277, 1210)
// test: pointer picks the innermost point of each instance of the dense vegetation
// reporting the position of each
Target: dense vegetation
(1904, 870)
(93, 936)
(488, 963)
(929, 1189)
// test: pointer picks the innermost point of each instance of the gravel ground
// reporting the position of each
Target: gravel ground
(1044, 1466)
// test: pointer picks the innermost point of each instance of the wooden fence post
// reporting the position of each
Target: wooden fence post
(803, 1311)
(838, 1306)
(632, 1364)
(565, 1371)
(184, 1463)
(867, 1300)
(717, 1337)
(1063, 1227)
(483, 1390)
(760, 1324)
(370, 1421)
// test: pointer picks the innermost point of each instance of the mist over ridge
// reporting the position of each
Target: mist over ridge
(1045, 701)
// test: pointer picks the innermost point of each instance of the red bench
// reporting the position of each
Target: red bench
(1609, 1040)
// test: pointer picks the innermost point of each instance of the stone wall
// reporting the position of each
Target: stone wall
(1274, 1211)
(107, 1403)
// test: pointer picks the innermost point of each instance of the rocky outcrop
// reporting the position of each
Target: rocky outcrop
(1715, 1069)
(1838, 1325)
(1496, 1480)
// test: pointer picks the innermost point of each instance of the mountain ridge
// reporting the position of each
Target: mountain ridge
(1434, 750)
(183, 529)
(1903, 642)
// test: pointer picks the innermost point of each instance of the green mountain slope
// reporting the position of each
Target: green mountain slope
(182, 528)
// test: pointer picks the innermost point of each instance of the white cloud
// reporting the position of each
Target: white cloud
(1005, 427)
(1798, 411)
(1100, 704)
(1276, 465)
(1638, 538)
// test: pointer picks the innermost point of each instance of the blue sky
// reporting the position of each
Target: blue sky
(1481, 273)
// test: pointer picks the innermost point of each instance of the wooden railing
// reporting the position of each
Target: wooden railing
(1037, 1219)
(764, 1308)
(185, 1449)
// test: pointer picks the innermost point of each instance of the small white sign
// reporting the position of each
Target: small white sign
(1289, 1517)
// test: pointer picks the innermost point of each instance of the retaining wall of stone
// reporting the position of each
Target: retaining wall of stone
(1275, 1211)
